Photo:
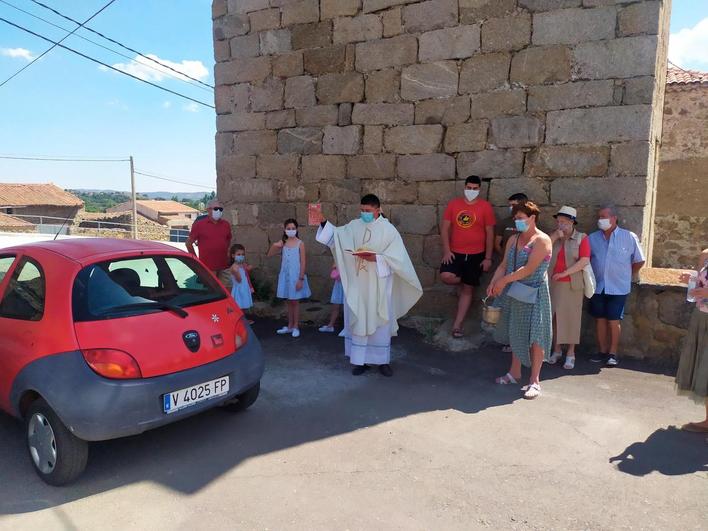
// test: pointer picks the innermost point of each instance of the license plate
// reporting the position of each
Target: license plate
(190, 396)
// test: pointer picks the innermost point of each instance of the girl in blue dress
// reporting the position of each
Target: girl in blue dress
(292, 281)
(336, 300)
(242, 290)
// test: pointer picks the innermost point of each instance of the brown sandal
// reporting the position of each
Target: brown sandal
(457, 333)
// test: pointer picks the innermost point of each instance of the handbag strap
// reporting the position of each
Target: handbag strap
(516, 251)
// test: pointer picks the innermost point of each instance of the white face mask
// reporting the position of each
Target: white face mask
(216, 214)
(604, 224)
(471, 195)
(291, 233)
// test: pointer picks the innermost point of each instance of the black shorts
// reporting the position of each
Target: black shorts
(466, 266)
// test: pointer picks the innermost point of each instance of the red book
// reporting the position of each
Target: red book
(314, 214)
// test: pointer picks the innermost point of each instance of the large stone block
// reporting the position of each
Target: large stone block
(357, 29)
(290, 192)
(373, 139)
(642, 17)
(505, 163)
(231, 26)
(383, 113)
(300, 12)
(516, 131)
(392, 21)
(265, 19)
(341, 192)
(267, 96)
(536, 66)
(274, 42)
(548, 5)
(414, 219)
(484, 72)
(255, 190)
(246, 6)
(571, 95)
(639, 90)
(317, 116)
(568, 161)
(342, 140)
(572, 26)
(432, 80)
(631, 158)
(304, 140)
(254, 142)
(222, 51)
(233, 98)
(384, 53)
(370, 6)
(340, 88)
(506, 34)
(623, 191)
(499, 103)
(471, 136)
(372, 167)
(392, 191)
(617, 58)
(339, 8)
(230, 167)
(383, 86)
(344, 114)
(224, 143)
(245, 46)
(273, 215)
(331, 59)
(535, 189)
(288, 65)
(450, 43)
(242, 121)
(446, 111)
(472, 11)
(317, 168)
(277, 166)
(430, 15)
(242, 70)
(314, 35)
(433, 167)
(300, 92)
(438, 193)
(413, 139)
(599, 125)
(280, 119)
(218, 9)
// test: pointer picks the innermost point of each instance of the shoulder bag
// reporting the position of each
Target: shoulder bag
(518, 290)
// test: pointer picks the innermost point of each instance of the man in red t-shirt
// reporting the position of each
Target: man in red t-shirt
(467, 233)
(213, 238)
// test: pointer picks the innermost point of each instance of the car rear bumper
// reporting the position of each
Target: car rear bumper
(96, 408)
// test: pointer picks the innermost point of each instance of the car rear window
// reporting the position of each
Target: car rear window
(5, 265)
(144, 284)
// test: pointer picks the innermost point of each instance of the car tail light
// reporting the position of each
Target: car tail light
(241, 335)
(110, 363)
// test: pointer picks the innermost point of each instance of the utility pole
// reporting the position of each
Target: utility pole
(135, 204)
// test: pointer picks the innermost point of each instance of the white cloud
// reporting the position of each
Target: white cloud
(19, 53)
(150, 71)
(191, 107)
(166, 104)
(688, 48)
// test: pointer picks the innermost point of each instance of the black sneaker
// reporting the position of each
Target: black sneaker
(612, 360)
(386, 370)
(599, 358)
(358, 370)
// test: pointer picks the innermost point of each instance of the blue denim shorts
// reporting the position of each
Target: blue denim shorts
(610, 307)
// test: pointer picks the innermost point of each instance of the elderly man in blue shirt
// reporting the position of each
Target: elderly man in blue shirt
(616, 258)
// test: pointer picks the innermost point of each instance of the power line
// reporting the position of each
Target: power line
(104, 64)
(168, 179)
(56, 43)
(125, 56)
(121, 45)
(59, 159)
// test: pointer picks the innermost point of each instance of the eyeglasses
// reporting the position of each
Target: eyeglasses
(218, 209)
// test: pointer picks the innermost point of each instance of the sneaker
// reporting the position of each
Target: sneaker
(386, 370)
(284, 330)
(555, 358)
(358, 370)
(296, 332)
(569, 363)
(612, 360)
(599, 358)
(326, 329)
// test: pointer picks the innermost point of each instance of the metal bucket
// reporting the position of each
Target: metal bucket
(490, 314)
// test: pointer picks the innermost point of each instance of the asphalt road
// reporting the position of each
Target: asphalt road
(438, 446)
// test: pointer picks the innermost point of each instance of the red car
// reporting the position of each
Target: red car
(104, 338)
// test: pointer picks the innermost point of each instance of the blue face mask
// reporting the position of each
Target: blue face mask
(240, 259)
(521, 225)
(367, 217)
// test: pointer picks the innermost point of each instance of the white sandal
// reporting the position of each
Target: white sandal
(532, 391)
(507, 379)
(554, 358)
(569, 363)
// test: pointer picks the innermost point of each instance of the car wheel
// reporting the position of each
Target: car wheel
(58, 456)
(244, 400)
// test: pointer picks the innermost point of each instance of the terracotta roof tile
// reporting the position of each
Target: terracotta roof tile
(17, 195)
(10, 221)
(167, 207)
(678, 76)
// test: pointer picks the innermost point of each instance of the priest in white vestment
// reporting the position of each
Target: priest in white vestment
(380, 284)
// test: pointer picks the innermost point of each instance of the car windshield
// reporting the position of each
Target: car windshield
(144, 284)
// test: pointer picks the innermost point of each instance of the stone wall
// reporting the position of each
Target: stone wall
(681, 211)
(324, 100)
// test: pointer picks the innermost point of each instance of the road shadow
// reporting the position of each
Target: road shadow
(307, 394)
(669, 451)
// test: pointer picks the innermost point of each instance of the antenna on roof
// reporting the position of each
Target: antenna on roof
(60, 228)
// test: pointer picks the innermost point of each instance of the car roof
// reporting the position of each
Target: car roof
(81, 249)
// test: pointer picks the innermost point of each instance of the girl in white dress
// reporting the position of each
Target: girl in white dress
(242, 290)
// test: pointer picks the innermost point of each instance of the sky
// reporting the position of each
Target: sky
(66, 106)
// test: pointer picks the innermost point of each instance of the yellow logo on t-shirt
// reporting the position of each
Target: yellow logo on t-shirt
(466, 219)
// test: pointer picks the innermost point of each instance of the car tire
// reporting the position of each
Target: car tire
(243, 401)
(57, 455)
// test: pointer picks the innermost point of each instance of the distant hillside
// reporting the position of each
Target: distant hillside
(182, 196)
(101, 200)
